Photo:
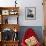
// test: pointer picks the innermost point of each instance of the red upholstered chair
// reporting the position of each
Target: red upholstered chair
(29, 33)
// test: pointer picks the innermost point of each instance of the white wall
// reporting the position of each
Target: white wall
(7, 3)
(39, 12)
(27, 3)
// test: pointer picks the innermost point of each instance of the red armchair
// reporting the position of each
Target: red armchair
(29, 34)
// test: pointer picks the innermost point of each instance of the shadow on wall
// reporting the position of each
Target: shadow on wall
(37, 29)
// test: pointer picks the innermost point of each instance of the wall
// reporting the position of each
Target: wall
(25, 3)
(6, 3)
(39, 13)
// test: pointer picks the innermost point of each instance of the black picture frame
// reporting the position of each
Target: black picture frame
(30, 13)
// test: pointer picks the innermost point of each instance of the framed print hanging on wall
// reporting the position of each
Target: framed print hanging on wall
(30, 13)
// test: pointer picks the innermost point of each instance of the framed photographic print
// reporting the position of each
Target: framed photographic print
(5, 12)
(30, 13)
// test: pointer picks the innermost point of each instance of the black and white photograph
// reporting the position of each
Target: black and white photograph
(30, 13)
